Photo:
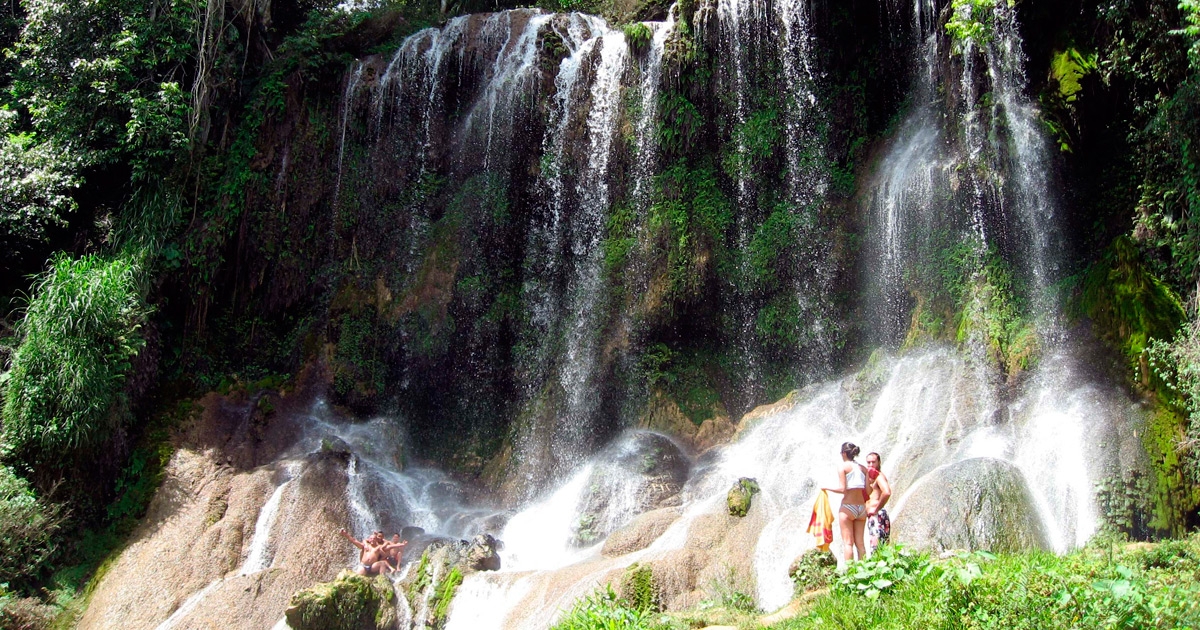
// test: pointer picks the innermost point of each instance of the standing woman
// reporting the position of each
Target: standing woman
(852, 516)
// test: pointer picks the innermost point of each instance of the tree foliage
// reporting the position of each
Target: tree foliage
(103, 78)
(36, 182)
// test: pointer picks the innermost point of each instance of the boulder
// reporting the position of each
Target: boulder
(740, 495)
(641, 471)
(432, 585)
(979, 503)
(483, 554)
(350, 602)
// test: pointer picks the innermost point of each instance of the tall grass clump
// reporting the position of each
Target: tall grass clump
(80, 333)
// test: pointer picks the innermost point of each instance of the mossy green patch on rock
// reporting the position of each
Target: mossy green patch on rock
(444, 594)
(1174, 498)
(740, 495)
(350, 602)
(639, 589)
(1127, 305)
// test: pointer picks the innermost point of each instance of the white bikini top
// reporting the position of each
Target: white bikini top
(855, 478)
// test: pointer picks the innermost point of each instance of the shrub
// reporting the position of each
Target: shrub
(79, 335)
(813, 570)
(891, 565)
(27, 528)
(1142, 586)
(638, 35)
(603, 610)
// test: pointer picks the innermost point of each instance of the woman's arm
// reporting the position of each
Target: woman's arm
(841, 489)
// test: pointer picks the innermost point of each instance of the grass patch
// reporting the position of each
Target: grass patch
(1102, 586)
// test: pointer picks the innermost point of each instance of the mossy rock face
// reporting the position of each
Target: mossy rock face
(740, 495)
(979, 503)
(350, 602)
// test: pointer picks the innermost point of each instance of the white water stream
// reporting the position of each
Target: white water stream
(924, 411)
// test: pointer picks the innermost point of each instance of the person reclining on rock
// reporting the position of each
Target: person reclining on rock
(372, 557)
(395, 551)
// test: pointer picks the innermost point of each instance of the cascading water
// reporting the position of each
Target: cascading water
(260, 555)
(459, 100)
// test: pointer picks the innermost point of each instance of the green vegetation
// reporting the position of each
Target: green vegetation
(892, 566)
(688, 221)
(688, 376)
(1177, 366)
(79, 336)
(971, 21)
(638, 35)
(350, 601)
(28, 528)
(738, 500)
(443, 595)
(813, 570)
(603, 610)
(1128, 305)
(968, 295)
(753, 142)
(639, 588)
(36, 183)
(1101, 586)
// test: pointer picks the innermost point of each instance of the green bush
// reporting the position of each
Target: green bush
(445, 592)
(603, 610)
(813, 570)
(79, 335)
(27, 528)
(889, 566)
(638, 35)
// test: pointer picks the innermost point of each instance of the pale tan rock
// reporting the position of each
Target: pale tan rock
(640, 532)
(200, 524)
(787, 403)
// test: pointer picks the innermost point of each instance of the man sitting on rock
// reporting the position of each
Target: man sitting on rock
(372, 556)
(879, 526)
(394, 550)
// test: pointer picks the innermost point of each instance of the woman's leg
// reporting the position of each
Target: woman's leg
(859, 541)
(846, 524)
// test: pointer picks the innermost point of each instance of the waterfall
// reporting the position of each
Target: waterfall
(462, 100)
(511, 78)
(588, 81)
(352, 84)
(258, 558)
(647, 140)
(587, 285)
(737, 24)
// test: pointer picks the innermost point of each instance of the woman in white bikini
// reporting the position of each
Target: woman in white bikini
(852, 516)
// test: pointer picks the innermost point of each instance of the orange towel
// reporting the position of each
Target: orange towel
(821, 523)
